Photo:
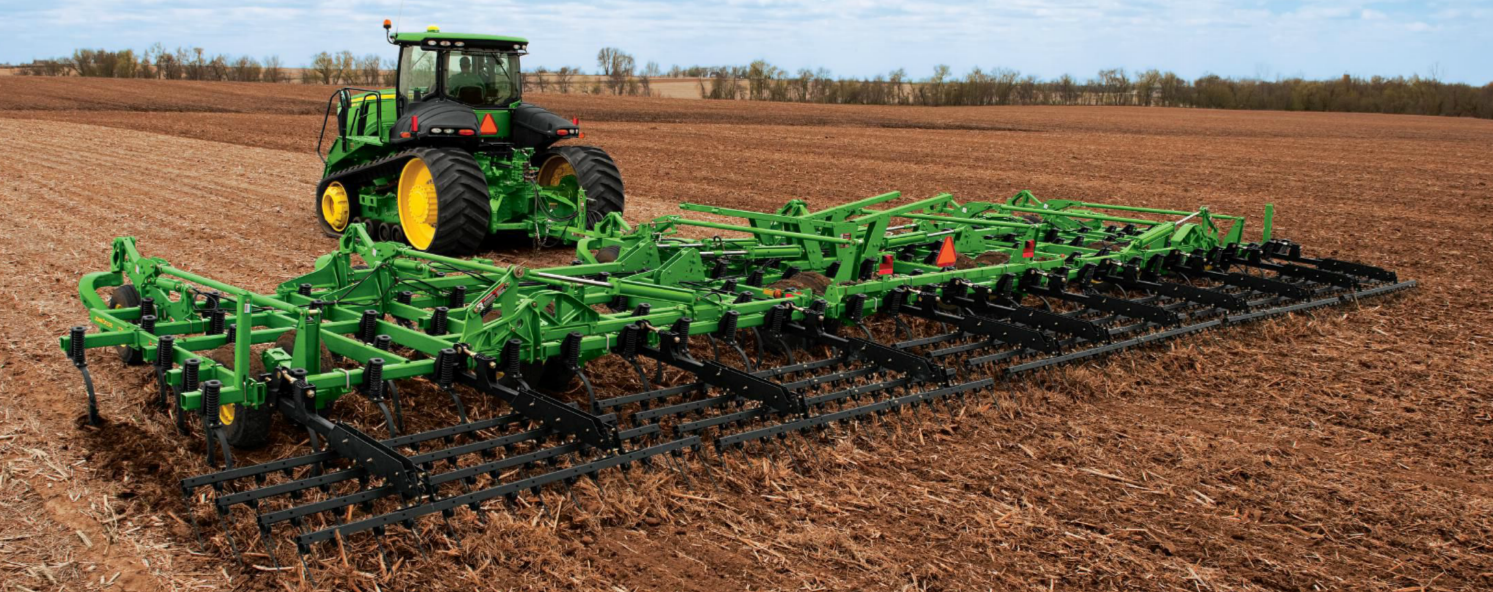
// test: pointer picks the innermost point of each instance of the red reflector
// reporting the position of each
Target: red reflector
(414, 123)
(489, 127)
(886, 265)
(946, 253)
(404, 134)
(1030, 250)
(466, 132)
(562, 131)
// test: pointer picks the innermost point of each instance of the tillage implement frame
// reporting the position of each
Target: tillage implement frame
(796, 321)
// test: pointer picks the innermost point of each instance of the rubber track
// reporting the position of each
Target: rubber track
(356, 177)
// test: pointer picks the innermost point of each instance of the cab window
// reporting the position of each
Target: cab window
(417, 73)
(482, 78)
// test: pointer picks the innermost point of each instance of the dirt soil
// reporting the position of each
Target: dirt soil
(1347, 449)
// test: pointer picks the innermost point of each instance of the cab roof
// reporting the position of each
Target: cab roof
(475, 39)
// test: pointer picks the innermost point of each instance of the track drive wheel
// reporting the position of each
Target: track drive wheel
(589, 167)
(127, 296)
(444, 206)
(336, 206)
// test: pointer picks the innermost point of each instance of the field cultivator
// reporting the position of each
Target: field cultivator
(798, 321)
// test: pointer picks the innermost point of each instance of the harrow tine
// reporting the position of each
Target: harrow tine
(269, 546)
(186, 499)
(306, 568)
(570, 492)
(415, 534)
(451, 529)
(228, 533)
(461, 410)
(383, 555)
(679, 469)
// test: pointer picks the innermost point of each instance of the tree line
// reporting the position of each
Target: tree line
(618, 73)
(1414, 95)
(157, 62)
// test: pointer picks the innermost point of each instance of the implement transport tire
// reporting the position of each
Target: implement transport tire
(444, 207)
(127, 296)
(247, 428)
(593, 169)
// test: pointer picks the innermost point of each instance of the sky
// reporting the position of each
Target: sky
(1449, 39)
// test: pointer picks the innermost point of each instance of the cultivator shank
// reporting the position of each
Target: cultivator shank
(803, 320)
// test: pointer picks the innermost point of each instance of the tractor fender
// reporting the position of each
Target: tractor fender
(538, 128)
(420, 119)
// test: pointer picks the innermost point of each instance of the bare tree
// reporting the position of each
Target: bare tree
(272, 70)
(538, 79)
(606, 59)
(195, 63)
(347, 67)
(650, 72)
(246, 69)
(323, 69)
(167, 66)
(563, 78)
(617, 67)
(1116, 86)
(391, 73)
(217, 68)
(368, 69)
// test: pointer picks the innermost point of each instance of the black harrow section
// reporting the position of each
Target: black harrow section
(940, 344)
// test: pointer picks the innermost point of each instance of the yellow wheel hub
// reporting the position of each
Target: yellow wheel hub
(554, 170)
(225, 413)
(418, 207)
(335, 209)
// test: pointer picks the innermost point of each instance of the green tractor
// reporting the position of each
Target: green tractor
(453, 154)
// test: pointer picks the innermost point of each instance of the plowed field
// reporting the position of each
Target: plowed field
(1349, 449)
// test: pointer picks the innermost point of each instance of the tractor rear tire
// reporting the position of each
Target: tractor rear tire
(463, 208)
(127, 296)
(594, 170)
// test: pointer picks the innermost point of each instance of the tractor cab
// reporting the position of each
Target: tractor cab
(480, 71)
(445, 77)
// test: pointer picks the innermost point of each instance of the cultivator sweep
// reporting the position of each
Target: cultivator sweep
(804, 320)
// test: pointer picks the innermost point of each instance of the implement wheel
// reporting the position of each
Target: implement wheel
(247, 428)
(336, 206)
(588, 167)
(444, 206)
(127, 296)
